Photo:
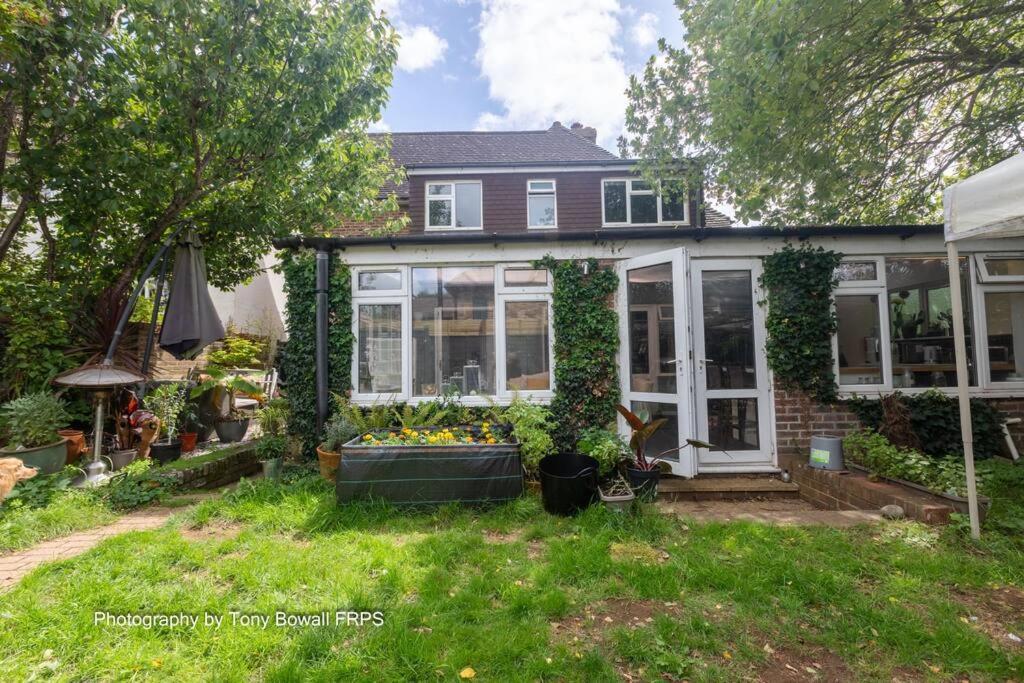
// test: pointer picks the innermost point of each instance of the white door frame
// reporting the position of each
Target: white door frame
(686, 465)
(764, 458)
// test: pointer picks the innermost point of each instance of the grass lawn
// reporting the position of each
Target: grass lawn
(68, 512)
(515, 594)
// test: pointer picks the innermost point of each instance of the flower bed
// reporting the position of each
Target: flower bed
(478, 464)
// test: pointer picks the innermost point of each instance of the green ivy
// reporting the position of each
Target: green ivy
(935, 419)
(37, 335)
(298, 361)
(798, 284)
(586, 341)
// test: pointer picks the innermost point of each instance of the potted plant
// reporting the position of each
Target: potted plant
(167, 402)
(616, 494)
(187, 431)
(75, 443)
(643, 472)
(231, 424)
(339, 430)
(31, 423)
(273, 441)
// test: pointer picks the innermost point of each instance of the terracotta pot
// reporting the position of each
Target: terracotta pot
(329, 462)
(75, 443)
(188, 441)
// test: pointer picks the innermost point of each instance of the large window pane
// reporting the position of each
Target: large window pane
(921, 321)
(380, 280)
(673, 208)
(526, 345)
(643, 208)
(615, 201)
(453, 330)
(1004, 318)
(857, 271)
(380, 348)
(526, 277)
(664, 443)
(652, 339)
(860, 353)
(440, 213)
(732, 424)
(541, 210)
(467, 205)
(729, 329)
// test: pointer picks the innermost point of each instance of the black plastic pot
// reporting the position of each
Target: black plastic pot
(164, 452)
(568, 483)
(229, 431)
(644, 482)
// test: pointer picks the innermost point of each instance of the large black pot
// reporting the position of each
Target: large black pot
(644, 482)
(229, 431)
(568, 483)
(164, 452)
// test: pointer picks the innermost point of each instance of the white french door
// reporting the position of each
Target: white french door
(732, 395)
(655, 359)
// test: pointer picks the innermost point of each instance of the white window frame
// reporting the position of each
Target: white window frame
(530, 192)
(520, 289)
(406, 314)
(984, 371)
(453, 225)
(402, 271)
(982, 268)
(884, 341)
(501, 350)
(630, 192)
(879, 280)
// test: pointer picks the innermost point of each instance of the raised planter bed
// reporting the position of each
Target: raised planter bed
(429, 474)
(959, 503)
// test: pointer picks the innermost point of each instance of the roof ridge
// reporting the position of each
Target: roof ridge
(462, 132)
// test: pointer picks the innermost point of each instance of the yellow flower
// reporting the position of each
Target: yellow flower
(492, 440)
(469, 439)
(367, 437)
(392, 435)
(413, 434)
(485, 425)
(431, 439)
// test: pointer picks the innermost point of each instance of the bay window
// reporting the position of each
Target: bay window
(475, 331)
(454, 205)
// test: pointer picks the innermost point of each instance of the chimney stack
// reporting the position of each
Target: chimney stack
(588, 133)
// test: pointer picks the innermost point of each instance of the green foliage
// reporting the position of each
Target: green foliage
(585, 347)
(808, 112)
(342, 427)
(136, 485)
(271, 446)
(643, 428)
(22, 526)
(605, 446)
(424, 414)
(273, 418)
(873, 451)
(298, 361)
(33, 420)
(935, 420)
(40, 490)
(800, 321)
(219, 380)
(167, 401)
(237, 352)
(34, 322)
(532, 426)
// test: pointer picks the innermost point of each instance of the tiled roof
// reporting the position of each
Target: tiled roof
(714, 218)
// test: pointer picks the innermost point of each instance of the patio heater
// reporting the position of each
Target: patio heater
(100, 379)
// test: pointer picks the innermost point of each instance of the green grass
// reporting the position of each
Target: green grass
(482, 589)
(69, 511)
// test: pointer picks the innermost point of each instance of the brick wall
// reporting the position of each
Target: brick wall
(798, 417)
(238, 461)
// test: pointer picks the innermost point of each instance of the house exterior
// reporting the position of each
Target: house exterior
(454, 304)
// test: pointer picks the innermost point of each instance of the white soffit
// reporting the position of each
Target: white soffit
(988, 204)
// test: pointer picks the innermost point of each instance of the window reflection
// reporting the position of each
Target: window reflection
(652, 340)
(729, 330)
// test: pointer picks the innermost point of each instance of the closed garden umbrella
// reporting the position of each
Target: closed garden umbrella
(190, 321)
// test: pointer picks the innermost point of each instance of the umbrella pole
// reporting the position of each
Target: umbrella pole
(962, 380)
(157, 297)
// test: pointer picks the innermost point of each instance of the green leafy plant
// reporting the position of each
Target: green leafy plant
(341, 428)
(298, 362)
(605, 446)
(40, 490)
(224, 384)
(167, 402)
(935, 421)
(425, 414)
(800, 320)
(532, 425)
(136, 485)
(271, 446)
(585, 347)
(33, 317)
(237, 352)
(273, 418)
(33, 420)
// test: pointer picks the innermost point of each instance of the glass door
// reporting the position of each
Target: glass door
(655, 358)
(732, 396)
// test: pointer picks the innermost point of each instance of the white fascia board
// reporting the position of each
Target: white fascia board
(526, 168)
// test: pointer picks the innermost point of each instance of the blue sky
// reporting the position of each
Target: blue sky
(515, 64)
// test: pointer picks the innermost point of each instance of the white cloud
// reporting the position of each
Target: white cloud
(420, 48)
(644, 31)
(379, 127)
(547, 61)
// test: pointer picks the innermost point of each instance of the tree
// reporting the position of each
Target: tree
(804, 111)
(245, 117)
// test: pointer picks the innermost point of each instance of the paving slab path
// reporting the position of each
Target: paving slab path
(781, 512)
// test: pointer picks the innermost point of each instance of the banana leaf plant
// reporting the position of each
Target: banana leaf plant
(221, 382)
(643, 429)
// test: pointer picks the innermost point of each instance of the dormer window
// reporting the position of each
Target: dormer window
(455, 205)
(540, 203)
(629, 201)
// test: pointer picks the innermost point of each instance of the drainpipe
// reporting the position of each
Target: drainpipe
(322, 286)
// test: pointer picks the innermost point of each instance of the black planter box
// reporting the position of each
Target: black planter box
(429, 475)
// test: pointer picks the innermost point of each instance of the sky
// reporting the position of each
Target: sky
(520, 64)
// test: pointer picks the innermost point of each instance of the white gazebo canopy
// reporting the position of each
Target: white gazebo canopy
(989, 205)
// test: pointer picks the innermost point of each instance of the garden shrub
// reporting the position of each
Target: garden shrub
(237, 352)
(531, 426)
(870, 449)
(36, 332)
(298, 361)
(935, 420)
(605, 446)
(800, 320)
(586, 343)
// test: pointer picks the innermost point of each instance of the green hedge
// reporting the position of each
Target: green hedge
(298, 361)
(586, 341)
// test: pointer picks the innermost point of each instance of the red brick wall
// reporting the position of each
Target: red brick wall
(797, 418)
(348, 227)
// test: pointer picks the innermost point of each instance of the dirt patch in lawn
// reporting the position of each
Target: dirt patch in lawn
(790, 666)
(221, 531)
(996, 612)
(597, 621)
(634, 551)
(500, 536)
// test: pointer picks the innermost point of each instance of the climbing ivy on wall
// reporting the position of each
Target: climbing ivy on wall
(798, 284)
(585, 345)
(298, 361)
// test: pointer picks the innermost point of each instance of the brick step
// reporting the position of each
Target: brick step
(725, 488)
